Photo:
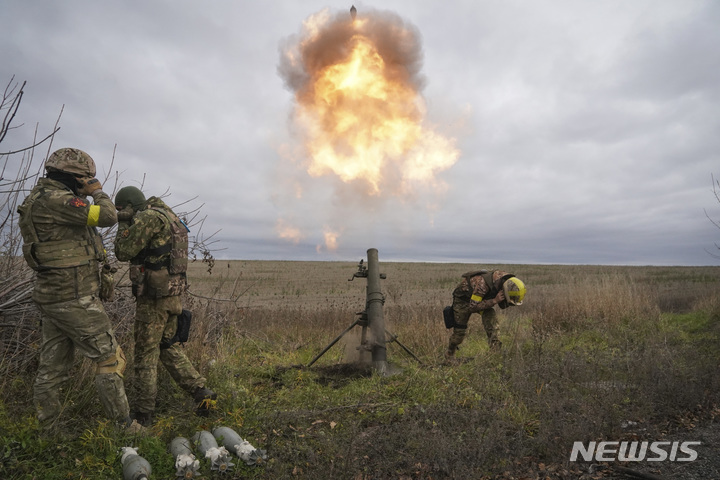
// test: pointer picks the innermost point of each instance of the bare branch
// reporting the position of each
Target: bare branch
(12, 109)
(33, 145)
(716, 194)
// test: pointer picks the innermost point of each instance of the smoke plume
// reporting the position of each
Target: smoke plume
(358, 117)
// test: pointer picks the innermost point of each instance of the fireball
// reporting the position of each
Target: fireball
(358, 105)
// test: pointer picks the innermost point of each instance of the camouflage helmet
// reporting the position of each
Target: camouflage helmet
(71, 160)
(514, 290)
(130, 196)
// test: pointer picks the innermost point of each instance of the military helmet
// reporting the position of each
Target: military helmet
(71, 160)
(130, 196)
(514, 290)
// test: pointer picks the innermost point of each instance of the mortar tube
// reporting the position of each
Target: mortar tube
(375, 313)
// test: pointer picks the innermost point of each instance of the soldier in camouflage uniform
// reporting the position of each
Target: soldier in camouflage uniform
(155, 241)
(478, 292)
(61, 244)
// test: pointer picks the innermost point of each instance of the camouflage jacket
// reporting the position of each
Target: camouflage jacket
(60, 240)
(149, 232)
(481, 288)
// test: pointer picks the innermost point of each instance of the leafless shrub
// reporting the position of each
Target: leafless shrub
(19, 319)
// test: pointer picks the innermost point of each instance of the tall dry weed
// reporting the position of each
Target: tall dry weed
(591, 350)
(590, 302)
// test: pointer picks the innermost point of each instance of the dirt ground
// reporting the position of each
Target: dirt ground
(706, 467)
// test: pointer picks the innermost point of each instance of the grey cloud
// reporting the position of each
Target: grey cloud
(588, 131)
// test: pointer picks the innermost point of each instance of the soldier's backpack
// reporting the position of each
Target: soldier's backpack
(449, 317)
(177, 261)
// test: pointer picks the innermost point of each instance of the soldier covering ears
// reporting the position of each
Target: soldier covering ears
(478, 292)
(155, 241)
(61, 243)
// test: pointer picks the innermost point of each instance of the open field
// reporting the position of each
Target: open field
(595, 353)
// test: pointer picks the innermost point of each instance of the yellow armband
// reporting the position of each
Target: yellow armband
(93, 215)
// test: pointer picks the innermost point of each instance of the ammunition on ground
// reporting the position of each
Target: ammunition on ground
(185, 462)
(207, 445)
(134, 466)
(235, 444)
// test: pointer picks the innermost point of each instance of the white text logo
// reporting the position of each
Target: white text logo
(634, 451)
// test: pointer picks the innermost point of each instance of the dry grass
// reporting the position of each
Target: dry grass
(591, 348)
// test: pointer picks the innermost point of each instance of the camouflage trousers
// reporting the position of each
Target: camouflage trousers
(84, 326)
(461, 311)
(156, 320)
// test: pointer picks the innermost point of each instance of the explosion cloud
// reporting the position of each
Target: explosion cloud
(358, 111)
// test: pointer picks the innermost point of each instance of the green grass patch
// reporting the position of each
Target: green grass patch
(592, 348)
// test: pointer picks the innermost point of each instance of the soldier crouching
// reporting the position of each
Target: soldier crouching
(478, 292)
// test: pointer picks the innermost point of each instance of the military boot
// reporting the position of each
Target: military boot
(495, 345)
(143, 418)
(205, 400)
(450, 353)
(54, 429)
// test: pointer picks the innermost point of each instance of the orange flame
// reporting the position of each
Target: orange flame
(358, 104)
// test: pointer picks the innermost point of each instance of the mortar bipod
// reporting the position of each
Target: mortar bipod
(372, 317)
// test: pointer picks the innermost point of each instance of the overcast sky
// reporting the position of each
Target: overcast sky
(588, 131)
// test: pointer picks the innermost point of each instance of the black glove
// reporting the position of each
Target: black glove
(107, 283)
(126, 214)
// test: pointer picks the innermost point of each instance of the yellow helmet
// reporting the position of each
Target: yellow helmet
(514, 290)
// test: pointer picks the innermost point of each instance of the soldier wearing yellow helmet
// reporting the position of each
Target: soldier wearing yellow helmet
(478, 292)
